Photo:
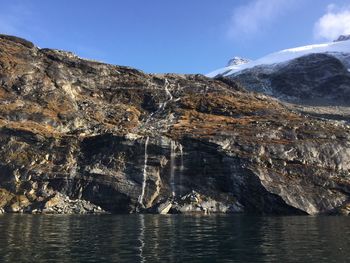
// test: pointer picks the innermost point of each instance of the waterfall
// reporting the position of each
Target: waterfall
(172, 166)
(144, 174)
(162, 105)
(167, 90)
(181, 166)
(174, 146)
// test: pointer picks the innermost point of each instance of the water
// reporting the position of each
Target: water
(173, 238)
(144, 181)
(168, 93)
(174, 146)
(172, 166)
(181, 166)
(167, 90)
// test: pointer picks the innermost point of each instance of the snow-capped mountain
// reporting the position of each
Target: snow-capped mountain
(342, 45)
(235, 61)
(314, 75)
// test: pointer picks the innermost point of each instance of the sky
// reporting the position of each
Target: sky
(182, 36)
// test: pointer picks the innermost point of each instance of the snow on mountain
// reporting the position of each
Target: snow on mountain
(338, 47)
(237, 61)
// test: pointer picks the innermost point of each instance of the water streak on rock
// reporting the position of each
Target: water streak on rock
(172, 166)
(181, 166)
(144, 173)
(167, 90)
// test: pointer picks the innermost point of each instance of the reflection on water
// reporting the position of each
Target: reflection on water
(173, 238)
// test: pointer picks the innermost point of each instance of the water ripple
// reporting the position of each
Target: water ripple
(173, 238)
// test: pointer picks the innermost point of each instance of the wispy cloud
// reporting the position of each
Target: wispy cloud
(257, 15)
(335, 22)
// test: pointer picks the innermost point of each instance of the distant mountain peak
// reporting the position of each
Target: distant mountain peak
(342, 38)
(237, 61)
(341, 47)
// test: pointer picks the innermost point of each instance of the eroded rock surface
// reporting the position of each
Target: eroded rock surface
(314, 84)
(315, 79)
(79, 136)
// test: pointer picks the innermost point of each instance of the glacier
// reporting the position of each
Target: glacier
(338, 47)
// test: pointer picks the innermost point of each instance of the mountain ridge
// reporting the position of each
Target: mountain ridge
(286, 55)
(311, 79)
(78, 136)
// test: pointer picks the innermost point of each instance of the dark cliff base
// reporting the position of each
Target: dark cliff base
(80, 136)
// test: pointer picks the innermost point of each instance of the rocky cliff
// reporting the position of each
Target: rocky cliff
(342, 38)
(80, 136)
(237, 61)
(315, 79)
(316, 84)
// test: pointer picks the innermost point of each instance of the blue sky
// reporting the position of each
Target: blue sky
(182, 36)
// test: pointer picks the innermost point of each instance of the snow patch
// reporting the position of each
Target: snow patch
(284, 56)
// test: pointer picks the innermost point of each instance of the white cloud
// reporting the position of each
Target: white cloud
(257, 15)
(334, 23)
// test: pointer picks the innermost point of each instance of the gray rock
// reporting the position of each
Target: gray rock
(342, 38)
(198, 203)
(315, 79)
(164, 208)
(60, 204)
(237, 61)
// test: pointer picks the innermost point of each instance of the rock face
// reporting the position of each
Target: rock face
(342, 38)
(316, 84)
(315, 79)
(312, 79)
(79, 136)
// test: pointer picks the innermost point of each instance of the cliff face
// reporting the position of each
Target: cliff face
(80, 136)
(315, 84)
(315, 79)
